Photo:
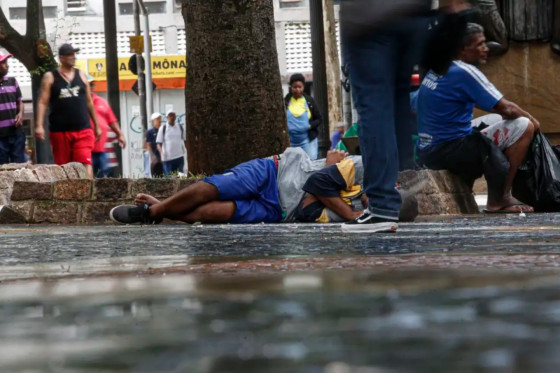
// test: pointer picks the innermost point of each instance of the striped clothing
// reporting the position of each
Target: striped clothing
(110, 149)
(10, 95)
(446, 103)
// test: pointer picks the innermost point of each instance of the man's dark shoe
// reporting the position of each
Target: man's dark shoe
(368, 223)
(131, 214)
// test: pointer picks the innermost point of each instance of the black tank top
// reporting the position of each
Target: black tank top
(69, 111)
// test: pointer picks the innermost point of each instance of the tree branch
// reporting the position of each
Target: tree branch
(8, 35)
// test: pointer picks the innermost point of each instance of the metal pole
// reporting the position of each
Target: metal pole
(141, 82)
(112, 63)
(320, 72)
(148, 57)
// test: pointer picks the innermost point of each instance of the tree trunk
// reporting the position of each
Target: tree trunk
(234, 105)
(35, 53)
(528, 20)
(334, 91)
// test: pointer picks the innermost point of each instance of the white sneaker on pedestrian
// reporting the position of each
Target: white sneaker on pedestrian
(368, 223)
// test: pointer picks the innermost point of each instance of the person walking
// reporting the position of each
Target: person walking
(171, 145)
(150, 145)
(107, 120)
(304, 117)
(380, 44)
(66, 91)
(12, 138)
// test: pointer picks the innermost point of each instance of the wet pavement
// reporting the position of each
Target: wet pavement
(452, 295)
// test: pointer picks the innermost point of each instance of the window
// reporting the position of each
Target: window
(76, 6)
(20, 13)
(153, 7)
(293, 3)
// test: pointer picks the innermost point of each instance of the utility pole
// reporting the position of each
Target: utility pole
(320, 72)
(112, 63)
(148, 57)
(141, 80)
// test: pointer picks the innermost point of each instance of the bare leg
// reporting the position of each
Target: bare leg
(515, 154)
(214, 212)
(336, 204)
(185, 201)
(89, 170)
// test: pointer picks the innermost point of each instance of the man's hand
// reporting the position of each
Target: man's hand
(335, 156)
(97, 133)
(40, 133)
(122, 141)
(19, 120)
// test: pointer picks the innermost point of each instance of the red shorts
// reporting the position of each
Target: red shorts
(72, 146)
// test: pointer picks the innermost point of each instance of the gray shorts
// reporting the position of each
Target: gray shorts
(503, 133)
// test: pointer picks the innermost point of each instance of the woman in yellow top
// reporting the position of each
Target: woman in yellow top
(304, 117)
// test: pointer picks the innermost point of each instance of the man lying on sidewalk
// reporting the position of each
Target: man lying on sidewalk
(287, 187)
(451, 140)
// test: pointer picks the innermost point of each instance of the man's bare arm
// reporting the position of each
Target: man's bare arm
(510, 110)
(42, 104)
(91, 108)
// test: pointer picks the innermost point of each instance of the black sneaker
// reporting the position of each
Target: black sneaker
(368, 223)
(130, 214)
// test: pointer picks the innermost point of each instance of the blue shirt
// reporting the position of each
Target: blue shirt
(151, 136)
(446, 103)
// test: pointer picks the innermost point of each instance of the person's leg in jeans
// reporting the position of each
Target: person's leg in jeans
(17, 148)
(4, 150)
(411, 42)
(372, 65)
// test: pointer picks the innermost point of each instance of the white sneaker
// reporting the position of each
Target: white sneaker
(368, 223)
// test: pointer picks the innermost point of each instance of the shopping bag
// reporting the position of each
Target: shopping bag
(537, 182)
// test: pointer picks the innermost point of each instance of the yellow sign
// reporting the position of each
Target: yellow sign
(137, 44)
(162, 67)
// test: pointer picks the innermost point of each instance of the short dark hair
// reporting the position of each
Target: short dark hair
(297, 78)
(472, 29)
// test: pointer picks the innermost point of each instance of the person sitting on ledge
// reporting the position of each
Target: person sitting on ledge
(287, 187)
(494, 145)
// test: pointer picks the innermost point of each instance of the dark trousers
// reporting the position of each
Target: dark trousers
(469, 158)
(100, 163)
(174, 165)
(12, 148)
(157, 169)
(380, 66)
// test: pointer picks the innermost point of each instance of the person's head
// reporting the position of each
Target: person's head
(91, 82)
(67, 55)
(339, 127)
(156, 120)
(4, 64)
(171, 117)
(297, 85)
(473, 47)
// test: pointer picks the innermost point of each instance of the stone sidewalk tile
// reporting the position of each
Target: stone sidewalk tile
(24, 208)
(13, 166)
(75, 170)
(98, 212)
(10, 216)
(56, 212)
(111, 189)
(159, 188)
(56, 171)
(74, 189)
(32, 190)
(43, 173)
